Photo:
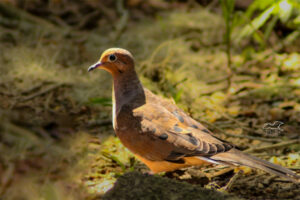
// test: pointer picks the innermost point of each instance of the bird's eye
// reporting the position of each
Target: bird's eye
(112, 58)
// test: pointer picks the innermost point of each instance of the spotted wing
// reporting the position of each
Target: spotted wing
(184, 141)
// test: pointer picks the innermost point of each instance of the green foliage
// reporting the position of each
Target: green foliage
(115, 159)
(227, 9)
(101, 101)
(269, 13)
(228, 13)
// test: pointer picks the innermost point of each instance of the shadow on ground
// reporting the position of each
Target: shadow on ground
(135, 185)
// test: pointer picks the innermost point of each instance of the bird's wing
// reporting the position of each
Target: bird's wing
(163, 125)
(177, 112)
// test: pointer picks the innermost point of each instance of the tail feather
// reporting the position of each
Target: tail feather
(237, 157)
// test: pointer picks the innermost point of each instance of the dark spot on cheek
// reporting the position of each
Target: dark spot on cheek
(163, 136)
(205, 130)
(194, 126)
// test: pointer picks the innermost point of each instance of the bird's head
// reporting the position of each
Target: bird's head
(116, 61)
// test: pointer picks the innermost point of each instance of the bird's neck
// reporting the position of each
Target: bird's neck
(127, 90)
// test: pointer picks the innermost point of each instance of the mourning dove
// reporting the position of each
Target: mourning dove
(160, 134)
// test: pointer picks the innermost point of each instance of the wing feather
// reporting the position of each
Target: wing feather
(161, 124)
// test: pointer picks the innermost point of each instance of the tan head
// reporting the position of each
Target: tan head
(116, 61)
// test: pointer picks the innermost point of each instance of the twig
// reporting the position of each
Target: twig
(219, 173)
(214, 168)
(14, 129)
(121, 25)
(215, 89)
(273, 146)
(33, 88)
(253, 137)
(294, 168)
(241, 136)
(238, 123)
(242, 126)
(212, 5)
(39, 93)
(107, 12)
(217, 80)
(246, 180)
(59, 21)
(87, 18)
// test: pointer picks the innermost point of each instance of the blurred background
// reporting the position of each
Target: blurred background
(234, 65)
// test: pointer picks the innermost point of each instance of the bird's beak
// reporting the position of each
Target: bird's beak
(94, 66)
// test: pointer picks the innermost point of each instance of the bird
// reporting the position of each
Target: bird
(160, 134)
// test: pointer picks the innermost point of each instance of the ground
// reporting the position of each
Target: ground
(56, 138)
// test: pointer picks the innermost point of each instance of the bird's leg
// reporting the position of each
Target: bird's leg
(228, 186)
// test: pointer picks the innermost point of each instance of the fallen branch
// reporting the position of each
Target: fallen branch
(242, 126)
(217, 80)
(273, 146)
(34, 88)
(219, 173)
(241, 136)
(214, 168)
(42, 92)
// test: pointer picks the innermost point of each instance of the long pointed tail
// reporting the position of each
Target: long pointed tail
(237, 157)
